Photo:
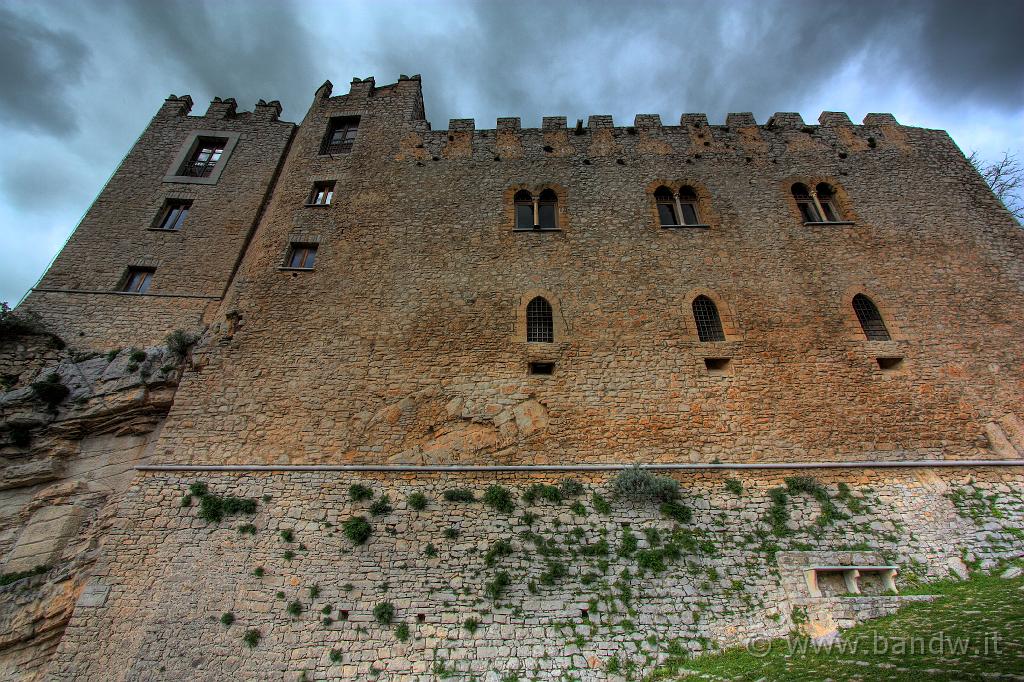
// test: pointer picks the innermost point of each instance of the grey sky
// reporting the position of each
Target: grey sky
(80, 79)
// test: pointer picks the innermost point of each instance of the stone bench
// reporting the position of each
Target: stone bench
(851, 576)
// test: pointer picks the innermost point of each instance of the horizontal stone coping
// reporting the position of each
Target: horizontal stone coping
(852, 568)
(929, 463)
(123, 293)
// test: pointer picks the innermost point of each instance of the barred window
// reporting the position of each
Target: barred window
(524, 210)
(666, 207)
(341, 135)
(540, 326)
(205, 157)
(870, 319)
(808, 211)
(709, 324)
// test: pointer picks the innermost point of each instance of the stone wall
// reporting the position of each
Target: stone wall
(571, 605)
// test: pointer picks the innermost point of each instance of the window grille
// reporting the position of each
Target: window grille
(174, 214)
(341, 135)
(870, 319)
(709, 324)
(540, 326)
(204, 159)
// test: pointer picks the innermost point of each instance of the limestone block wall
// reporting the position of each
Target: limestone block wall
(587, 584)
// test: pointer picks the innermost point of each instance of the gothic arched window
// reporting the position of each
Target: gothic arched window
(705, 316)
(524, 210)
(547, 210)
(688, 204)
(827, 201)
(805, 203)
(666, 207)
(540, 324)
(870, 319)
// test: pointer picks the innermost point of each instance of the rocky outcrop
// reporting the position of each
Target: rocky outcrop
(72, 427)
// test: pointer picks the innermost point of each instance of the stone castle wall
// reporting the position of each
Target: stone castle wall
(154, 608)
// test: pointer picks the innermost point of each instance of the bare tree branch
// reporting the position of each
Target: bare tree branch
(1006, 178)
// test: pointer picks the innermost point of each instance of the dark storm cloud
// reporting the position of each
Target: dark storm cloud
(245, 50)
(38, 63)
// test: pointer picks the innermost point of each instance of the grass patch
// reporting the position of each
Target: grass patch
(499, 498)
(8, 578)
(496, 587)
(402, 632)
(384, 613)
(251, 638)
(459, 495)
(417, 501)
(541, 491)
(357, 529)
(601, 505)
(357, 492)
(497, 550)
(381, 506)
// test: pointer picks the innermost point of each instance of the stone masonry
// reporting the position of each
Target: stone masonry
(405, 345)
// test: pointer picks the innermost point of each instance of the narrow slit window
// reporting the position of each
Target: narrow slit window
(174, 214)
(870, 319)
(341, 135)
(805, 203)
(322, 194)
(524, 210)
(137, 280)
(547, 210)
(540, 325)
(705, 316)
(205, 157)
(542, 368)
(666, 207)
(688, 203)
(302, 256)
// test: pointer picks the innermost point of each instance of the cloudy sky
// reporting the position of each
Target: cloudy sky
(81, 78)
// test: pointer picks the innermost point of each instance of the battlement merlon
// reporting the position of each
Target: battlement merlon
(176, 106)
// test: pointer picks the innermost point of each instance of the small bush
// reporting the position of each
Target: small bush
(247, 529)
(137, 355)
(601, 505)
(459, 495)
(599, 548)
(294, 609)
(186, 501)
(528, 518)
(214, 508)
(497, 550)
(381, 506)
(402, 632)
(645, 486)
(499, 498)
(541, 491)
(451, 533)
(8, 578)
(430, 550)
(554, 572)
(287, 535)
(198, 489)
(314, 592)
(418, 501)
(357, 529)
(14, 323)
(251, 638)
(259, 572)
(384, 613)
(471, 625)
(734, 486)
(629, 543)
(179, 342)
(227, 618)
(50, 390)
(676, 511)
(570, 487)
(288, 555)
(358, 492)
(494, 588)
(651, 560)
(578, 509)
(335, 655)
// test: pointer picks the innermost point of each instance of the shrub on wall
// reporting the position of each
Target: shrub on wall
(644, 486)
(384, 613)
(499, 498)
(357, 529)
(50, 390)
(459, 495)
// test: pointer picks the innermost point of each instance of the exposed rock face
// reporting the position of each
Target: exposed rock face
(62, 463)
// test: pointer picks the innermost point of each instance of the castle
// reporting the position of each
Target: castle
(814, 330)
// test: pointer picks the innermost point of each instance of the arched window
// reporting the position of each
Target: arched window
(688, 204)
(666, 207)
(524, 210)
(540, 325)
(870, 319)
(827, 201)
(805, 203)
(709, 324)
(547, 211)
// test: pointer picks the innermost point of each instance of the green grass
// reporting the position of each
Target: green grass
(981, 622)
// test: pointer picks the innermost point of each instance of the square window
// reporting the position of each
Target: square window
(542, 368)
(137, 280)
(173, 215)
(341, 135)
(322, 194)
(718, 366)
(205, 157)
(302, 256)
(890, 364)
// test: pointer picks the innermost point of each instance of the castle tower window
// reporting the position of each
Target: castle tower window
(827, 200)
(524, 210)
(804, 201)
(667, 215)
(174, 213)
(322, 194)
(705, 316)
(302, 256)
(547, 210)
(341, 135)
(540, 326)
(137, 280)
(688, 204)
(870, 319)
(205, 157)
